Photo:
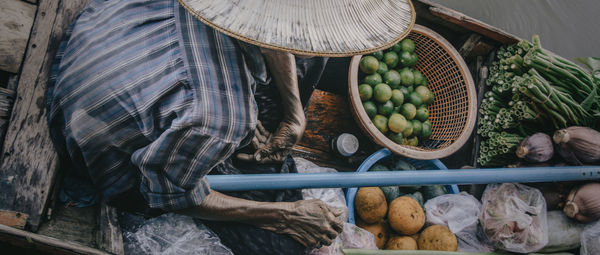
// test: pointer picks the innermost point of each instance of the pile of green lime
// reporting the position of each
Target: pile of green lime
(395, 95)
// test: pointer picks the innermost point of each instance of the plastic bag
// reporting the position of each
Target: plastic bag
(332, 197)
(590, 239)
(171, 234)
(460, 213)
(513, 217)
(564, 234)
(352, 237)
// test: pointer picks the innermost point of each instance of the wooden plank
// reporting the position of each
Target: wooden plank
(44, 244)
(109, 236)
(13, 219)
(29, 158)
(473, 24)
(467, 47)
(16, 18)
(72, 224)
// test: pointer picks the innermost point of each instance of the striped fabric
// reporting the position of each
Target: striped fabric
(144, 94)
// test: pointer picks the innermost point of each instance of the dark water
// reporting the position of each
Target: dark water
(570, 28)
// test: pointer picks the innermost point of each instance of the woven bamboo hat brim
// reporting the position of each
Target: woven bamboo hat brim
(334, 28)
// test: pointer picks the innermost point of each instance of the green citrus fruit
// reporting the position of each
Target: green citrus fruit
(380, 122)
(386, 108)
(408, 45)
(407, 77)
(369, 64)
(415, 98)
(410, 89)
(397, 48)
(417, 127)
(404, 91)
(414, 59)
(419, 78)
(378, 55)
(397, 123)
(408, 131)
(382, 93)
(397, 97)
(424, 93)
(365, 91)
(370, 108)
(392, 78)
(396, 109)
(422, 113)
(408, 110)
(408, 58)
(391, 59)
(413, 141)
(426, 132)
(373, 79)
(431, 97)
(397, 138)
(382, 68)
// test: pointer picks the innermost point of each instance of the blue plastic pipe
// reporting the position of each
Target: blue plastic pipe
(401, 178)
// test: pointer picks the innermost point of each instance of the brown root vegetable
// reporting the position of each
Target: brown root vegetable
(401, 243)
(438, 238)
(536, 148)
(380, 230)
(370, 204)
(583, 203)
(582, 143)
(406, 216)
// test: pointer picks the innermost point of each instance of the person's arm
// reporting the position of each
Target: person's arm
(275, 147)
(310, 222)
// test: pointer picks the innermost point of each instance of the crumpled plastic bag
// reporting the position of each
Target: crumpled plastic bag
(513, 217)
(171, 234)
(460, 213)
(590, 239)
(352, 236)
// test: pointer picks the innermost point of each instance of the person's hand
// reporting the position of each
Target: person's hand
(310, 222)
(274, 148)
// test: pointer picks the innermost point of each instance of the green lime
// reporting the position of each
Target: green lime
(414, 59)
(370, 108)
(382, 68)
(424, 93)
(396, 109)
(417, 127)
(426, 132)
(404, 91)
(414, 141)
(408, 131)
(378, 55)
(397, 123)
(369, 64)
(397, 97)
(392, 78)
(382, 93)
(415, 98)
(386, 108)
(408, 45)
(410, 89)
(391, 59)
(431, 97)
(397, 48)
(419, 78)
(422, 113)
(397, 138)
(365, 91)
(408, 58)
(407, 77)
(380, 122)
(373, 79)
(409, 111)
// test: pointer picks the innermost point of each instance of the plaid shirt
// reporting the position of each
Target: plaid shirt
(142, 93)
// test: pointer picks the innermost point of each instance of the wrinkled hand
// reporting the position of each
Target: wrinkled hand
(274, 148)
(310, 222)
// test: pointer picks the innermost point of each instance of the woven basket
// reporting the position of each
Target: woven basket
(454, 110)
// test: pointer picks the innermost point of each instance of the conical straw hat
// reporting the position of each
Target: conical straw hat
(334, 28)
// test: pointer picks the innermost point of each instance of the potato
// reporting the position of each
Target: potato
(380, 230)
(438, 238)
(370, 204)
(406, 215)
(401, 243)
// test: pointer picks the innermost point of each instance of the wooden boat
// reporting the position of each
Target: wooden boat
(30, 215)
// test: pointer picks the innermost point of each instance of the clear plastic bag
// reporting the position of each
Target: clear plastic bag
(513, 217)
(460, 213)
(351, 237)
(590, 239)
(171, 234)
